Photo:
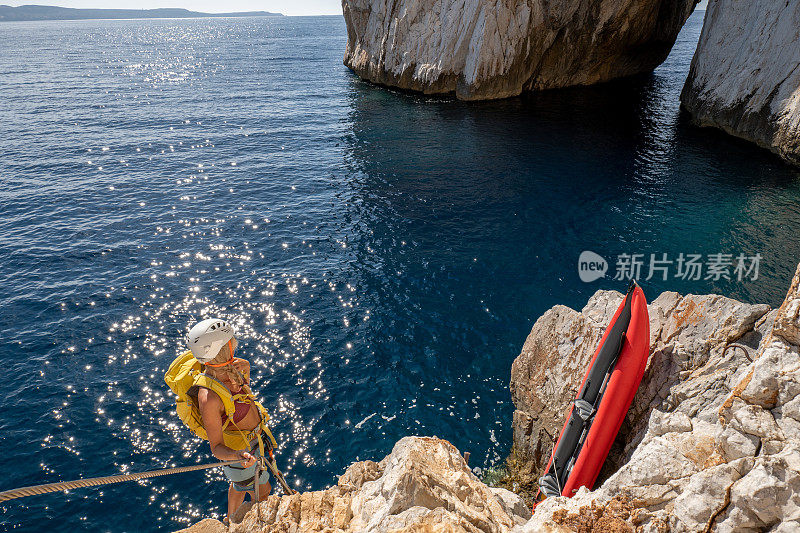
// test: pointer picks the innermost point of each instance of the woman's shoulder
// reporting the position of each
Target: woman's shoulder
(208, 397)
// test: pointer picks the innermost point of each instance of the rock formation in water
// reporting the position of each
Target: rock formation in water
(711, 443)
(745, 75)
(482, 49)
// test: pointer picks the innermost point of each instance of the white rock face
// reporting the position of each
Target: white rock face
(745, 75)
(688, 333)
(481, 49)
(423, 485)
(713, 440)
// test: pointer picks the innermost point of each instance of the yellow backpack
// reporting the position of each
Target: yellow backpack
(185, 377)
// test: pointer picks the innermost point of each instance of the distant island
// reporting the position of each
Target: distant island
(32, 12)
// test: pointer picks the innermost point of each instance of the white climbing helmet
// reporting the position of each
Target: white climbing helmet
(207, 337)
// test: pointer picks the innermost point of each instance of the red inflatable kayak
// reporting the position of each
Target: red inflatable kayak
(603, 400)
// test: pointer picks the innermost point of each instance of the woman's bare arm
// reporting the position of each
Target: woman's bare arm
(211, 410)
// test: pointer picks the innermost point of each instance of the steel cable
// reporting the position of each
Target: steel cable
(106, 480)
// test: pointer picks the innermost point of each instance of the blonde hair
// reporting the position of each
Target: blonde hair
(223, 356)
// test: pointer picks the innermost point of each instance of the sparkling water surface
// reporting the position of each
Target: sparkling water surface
(382, 255)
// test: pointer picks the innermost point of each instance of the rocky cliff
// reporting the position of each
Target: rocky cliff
(711, 443)
(482, 49)
(686, 332)
(424, 485)
(712, 440)
(745, 75)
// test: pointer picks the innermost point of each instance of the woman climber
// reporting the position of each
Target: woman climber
(225, 384)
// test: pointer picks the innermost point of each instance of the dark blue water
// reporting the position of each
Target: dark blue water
(383, 255)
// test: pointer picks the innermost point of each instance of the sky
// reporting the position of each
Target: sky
(287, 7)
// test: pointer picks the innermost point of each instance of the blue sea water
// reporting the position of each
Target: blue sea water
(383, 255)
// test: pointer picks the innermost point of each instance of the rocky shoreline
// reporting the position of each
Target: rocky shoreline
(711, 443)
(712, 439)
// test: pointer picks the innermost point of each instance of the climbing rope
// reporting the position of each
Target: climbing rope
(106, 480)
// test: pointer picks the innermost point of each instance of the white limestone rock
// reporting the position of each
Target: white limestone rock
(712, 439)
(423, 485)
(705, 494)
(745, 75)
(482, 49)
(768, 494)
(513, 504)
(735, 444)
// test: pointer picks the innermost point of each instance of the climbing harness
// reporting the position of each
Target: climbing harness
(272, 464)
(106, 480)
